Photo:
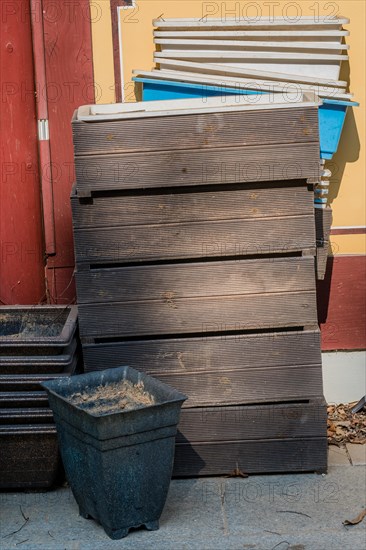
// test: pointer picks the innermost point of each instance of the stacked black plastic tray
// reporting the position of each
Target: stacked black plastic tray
(36, 344)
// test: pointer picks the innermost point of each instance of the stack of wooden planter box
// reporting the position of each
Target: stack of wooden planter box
(195, 252)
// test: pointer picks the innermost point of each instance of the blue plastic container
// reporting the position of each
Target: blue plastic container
(156, 89)
(332, 113)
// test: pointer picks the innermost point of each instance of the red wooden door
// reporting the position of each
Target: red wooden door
(22, 262)
(33, 269)
(69, 74)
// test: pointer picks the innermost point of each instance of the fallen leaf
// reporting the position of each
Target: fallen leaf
(343, 426)
(340, 431)
(237, 473)
(344, 423)
(356, 520)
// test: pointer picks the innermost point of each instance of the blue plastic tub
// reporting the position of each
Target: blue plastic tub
(332, 113)
(156, 89)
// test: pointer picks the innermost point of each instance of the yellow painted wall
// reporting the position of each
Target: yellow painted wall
(100, 15)
(348, 183)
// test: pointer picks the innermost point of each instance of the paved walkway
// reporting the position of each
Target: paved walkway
(277, 512)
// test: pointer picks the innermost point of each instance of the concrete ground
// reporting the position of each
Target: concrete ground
(277, 512)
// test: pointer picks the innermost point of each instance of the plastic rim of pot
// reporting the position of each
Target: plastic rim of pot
(118, 464)
(37, 339)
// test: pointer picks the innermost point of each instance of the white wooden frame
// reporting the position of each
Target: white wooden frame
(147, 109)
(216, 69)
(264, 34)
(240, 44)
(208, 22)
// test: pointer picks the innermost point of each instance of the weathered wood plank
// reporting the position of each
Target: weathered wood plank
(213, 353)
(197, 167)
(169, 284)
(238, 386)
(243, 422)
(224, 369)
(262, 200)
(306, 454)
(188, 240)
(196, 131)
(323, 222)
(193, 315)
(321, 260)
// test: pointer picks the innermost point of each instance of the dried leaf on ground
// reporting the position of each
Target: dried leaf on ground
(345, 427)
(237, 473)
(356, 520)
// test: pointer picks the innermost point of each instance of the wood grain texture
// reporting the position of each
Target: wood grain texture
(70, 83)
(197, 131)
(321, 260)
(323, 222)
(22, 238)
(239, 386)
(192, 315)
(212, 353)
(224, 369)
(196, 167)
(243, 422)
(236, 202)
(211, 239)
(306, 454)
(169, 284)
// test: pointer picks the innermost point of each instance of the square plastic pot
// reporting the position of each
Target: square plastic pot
(38, 364)
(118, 464)
(31, 382)
(36, 330)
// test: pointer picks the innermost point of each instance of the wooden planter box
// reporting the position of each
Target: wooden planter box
(227, 222)
(195, 251)
(225, 369)
(197, 298)
(265, 438)
(163, 151)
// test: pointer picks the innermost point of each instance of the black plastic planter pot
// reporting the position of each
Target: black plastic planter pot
(29, 457)
(21, 399)
(36, 330)
(35, 364)
(32, 382)
(118, 464)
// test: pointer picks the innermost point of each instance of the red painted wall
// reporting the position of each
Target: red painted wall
(342, 304)
(22, 271)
